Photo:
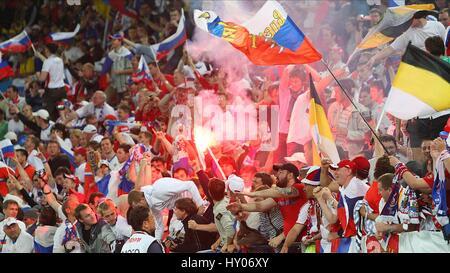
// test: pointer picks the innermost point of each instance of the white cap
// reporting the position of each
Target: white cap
(97, 138)
(18, 147)
(10, 221)
(11, 136)
(43, 114)
(103, 162)
(235, 183)
(128, 139)
(296, 157)
(90, 129)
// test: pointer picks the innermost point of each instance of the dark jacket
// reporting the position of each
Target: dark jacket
(195, 240)
(101, 238)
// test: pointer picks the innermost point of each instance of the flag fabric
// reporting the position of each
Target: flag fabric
(395, 22)
(67, 151)
(120, 6)
(112, 56)
(64, 38)
(5, 170)
(5, 70)
(320, 128)
(172, 42)
(17, 44)
(7, 149)
(36, 162)
(395, 3)
(272, 39)
(102, 8)
(88, 181)
(421, 86)
(103, 184)
(143, 74)
(439, 193)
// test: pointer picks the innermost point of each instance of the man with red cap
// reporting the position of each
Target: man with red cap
(351, 190)
(71, 183)
(362, 168)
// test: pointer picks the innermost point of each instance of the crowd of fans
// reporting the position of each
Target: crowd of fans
(107, 163)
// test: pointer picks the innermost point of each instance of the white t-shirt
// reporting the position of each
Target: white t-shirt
(23, 244)
(100, 112)
(15, 126)
(2, 224)
(45, 133)
(55, 68)
(122, 229)
(417, 36)
(79, 172)
(58, 247)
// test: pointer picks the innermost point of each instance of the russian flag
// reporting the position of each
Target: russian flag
(103, 184)
(5, 170)
(173, 41)
(64, 38)
(7, 149)
(67, 151)
(17, 44)
(345, 207)
(143, 73)
(269, 38)
(5, 70)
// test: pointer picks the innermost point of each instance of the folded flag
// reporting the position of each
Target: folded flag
(7, 149)
(273, 40)
(17, 44)
(421, 86)
(62, 37)
(320, 128)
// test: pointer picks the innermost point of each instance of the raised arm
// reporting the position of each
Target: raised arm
(260, 206)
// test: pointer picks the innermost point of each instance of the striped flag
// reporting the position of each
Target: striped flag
(5, 70)
(67, 151)
(64, 38)
(143, 74)
(7, 149)
(395, 22)
(17, 44)
(5, 170)
(271, 37)
(320, 128)
(173, 41)
(421, 86)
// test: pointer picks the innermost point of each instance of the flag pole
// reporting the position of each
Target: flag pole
(354, 105)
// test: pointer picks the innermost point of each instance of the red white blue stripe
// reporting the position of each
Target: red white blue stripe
(16, 44)
(7, 149)
(5, 70)
(143, 74)
(67, 151)
(63, 37)
(173, 41)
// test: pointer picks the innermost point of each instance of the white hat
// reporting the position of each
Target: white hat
(128, 139)
(296, 157)
(104, 162)
(43, 114)
(90, 129)
(11, 136)
(97, 138)
(312, 176)
(235, 183)
(18, 147)
(10, 221)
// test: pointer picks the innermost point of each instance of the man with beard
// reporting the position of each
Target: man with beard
(288, 195)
